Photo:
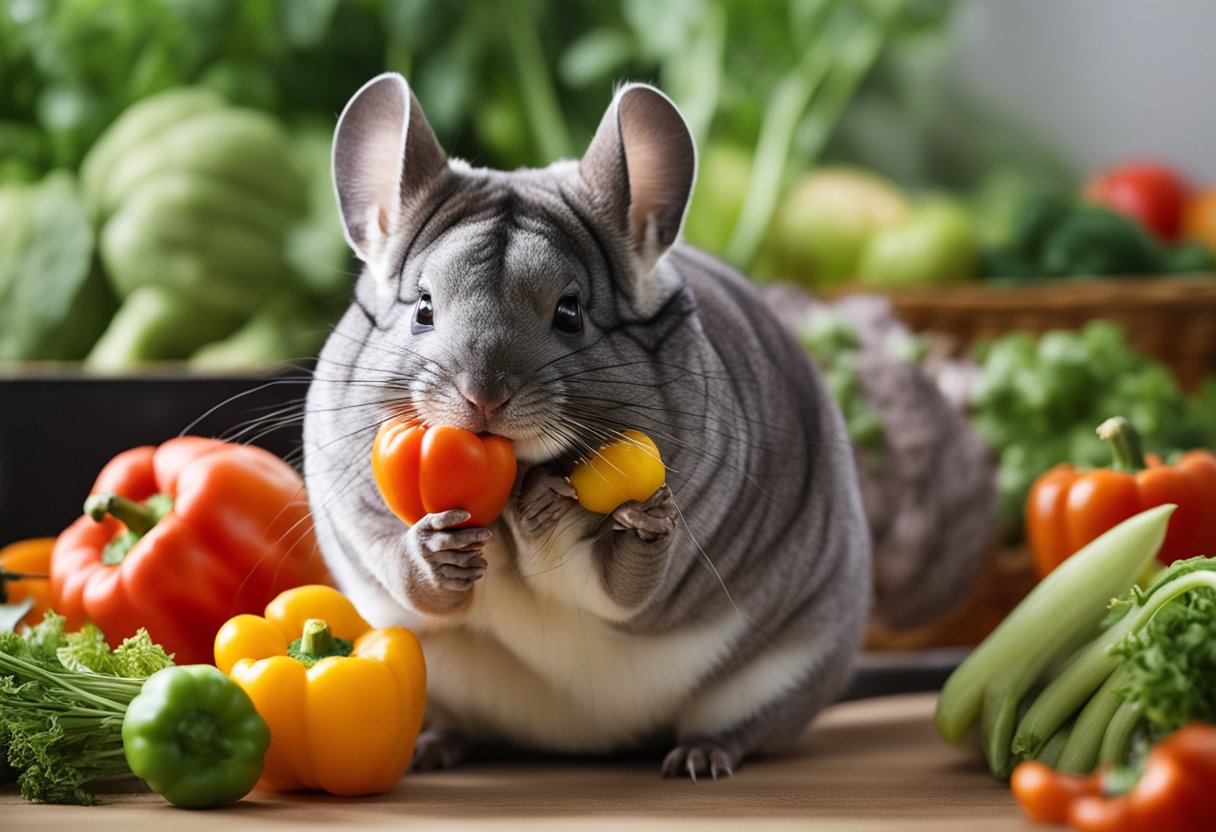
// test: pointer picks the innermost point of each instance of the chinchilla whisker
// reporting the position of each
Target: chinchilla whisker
(557, 438)
(664, 437)
(729, 421)
(394, 350)
(600, 434)
(678, 371)
(709, 562)
(349, 435)
(230, 400)
(648, 424)
(725, 428)
(558, 359)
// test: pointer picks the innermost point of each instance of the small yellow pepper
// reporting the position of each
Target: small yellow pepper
(629, 469)
(344, 701)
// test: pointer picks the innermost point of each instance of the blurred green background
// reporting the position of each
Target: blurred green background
(164, 164)
(129, 204)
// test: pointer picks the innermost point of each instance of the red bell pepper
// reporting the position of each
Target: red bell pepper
(1176, 792)
(180, 538)
(1068, 507)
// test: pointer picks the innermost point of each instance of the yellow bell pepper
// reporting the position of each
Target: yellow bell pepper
(344, 701)
(629, 469)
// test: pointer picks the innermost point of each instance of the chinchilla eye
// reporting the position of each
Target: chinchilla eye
(424, 313)
(568, 317)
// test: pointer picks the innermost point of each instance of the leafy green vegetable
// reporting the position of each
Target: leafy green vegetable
(137, 657)
(1137, 651)
(1148, 667)
(1170, 664)
(1038, 399)
(53, 303)
(1053, 234)
(62, 726)
(834, 345)
(1061, 614)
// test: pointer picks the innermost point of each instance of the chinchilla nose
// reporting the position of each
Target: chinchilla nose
(484, 395)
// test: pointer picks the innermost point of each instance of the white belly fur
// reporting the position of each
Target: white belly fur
(534, 661)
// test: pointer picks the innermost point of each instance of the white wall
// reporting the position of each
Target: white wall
(1097, 80)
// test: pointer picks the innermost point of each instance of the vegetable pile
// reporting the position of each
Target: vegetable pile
(1072, 684)
(1037, 400)
(74, 713)
(1060, 235)
(177, 545)
(517, 84)
(193, 200)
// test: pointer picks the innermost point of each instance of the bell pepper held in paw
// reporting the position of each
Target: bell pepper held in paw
(179, 538)
(422, 470)
(630, 469)
(25, 573)
(344, 701)
(1068, 507)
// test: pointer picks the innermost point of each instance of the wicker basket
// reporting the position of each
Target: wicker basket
(1170, 318)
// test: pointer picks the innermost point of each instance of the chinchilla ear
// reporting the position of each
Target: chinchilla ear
(640, 166)
(385, 157)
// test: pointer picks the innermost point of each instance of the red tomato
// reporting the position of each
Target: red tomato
(424, 470)
(1150, 193)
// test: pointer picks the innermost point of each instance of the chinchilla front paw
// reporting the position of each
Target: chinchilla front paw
(653, 521)
(544, 498)
(452, 555)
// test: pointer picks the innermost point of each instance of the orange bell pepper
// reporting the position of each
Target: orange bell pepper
(30, 562)
(1068, 507)
(181, 537)
(344, 702)
(422, 470)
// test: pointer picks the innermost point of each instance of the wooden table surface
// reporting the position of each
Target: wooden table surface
(873, 764)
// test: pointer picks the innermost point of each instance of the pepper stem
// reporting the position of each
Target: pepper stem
(316, 639)
(1125, 442)
(317, 642)
(138, 517)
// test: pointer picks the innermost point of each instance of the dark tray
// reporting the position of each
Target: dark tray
(58, 428)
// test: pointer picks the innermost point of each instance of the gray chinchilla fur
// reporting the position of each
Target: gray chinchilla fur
(557, 307)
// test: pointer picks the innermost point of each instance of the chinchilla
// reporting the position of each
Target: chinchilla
(557, 308)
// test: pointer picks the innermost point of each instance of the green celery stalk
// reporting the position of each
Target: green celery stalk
(1068, 691)
(1059, 614)
(1053, 747)
(1080, 753)
(1118, 735)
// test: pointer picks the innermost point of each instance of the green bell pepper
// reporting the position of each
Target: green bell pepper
(195, 737)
